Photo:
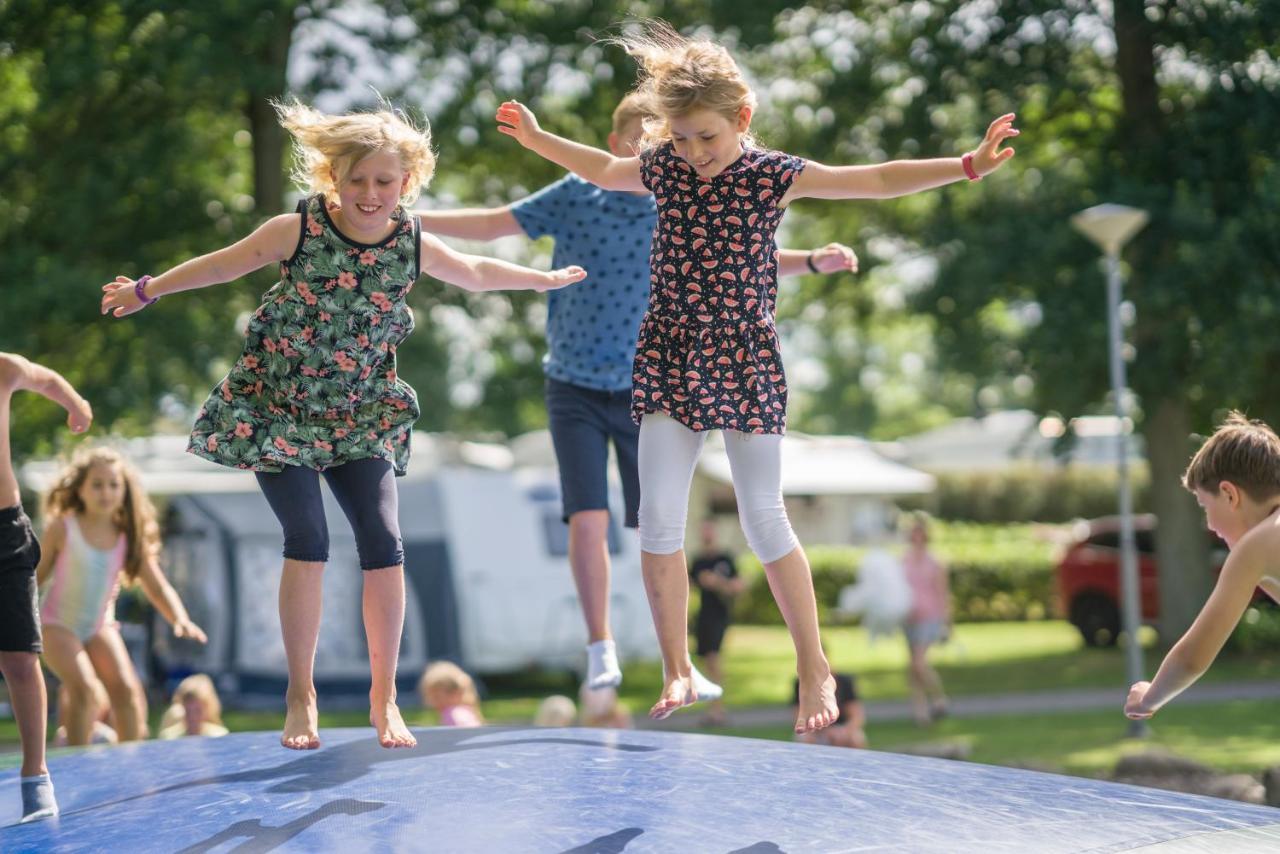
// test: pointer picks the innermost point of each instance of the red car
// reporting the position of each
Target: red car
(1089, 577)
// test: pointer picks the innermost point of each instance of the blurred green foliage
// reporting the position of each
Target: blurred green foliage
(996, 572)
(1028, 494)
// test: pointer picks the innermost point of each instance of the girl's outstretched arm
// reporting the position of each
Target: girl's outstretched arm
(272, 242)
(474, 273)
(832, 258)
(471, 223)
(1191, 656)
(599, 167)
(901, 177)
(161, 594)
(52, 540)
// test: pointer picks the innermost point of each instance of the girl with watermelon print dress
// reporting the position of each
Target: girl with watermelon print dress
(707, 355)
(315, 390)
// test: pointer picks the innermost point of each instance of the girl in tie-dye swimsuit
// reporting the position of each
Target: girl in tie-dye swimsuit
(101, 531)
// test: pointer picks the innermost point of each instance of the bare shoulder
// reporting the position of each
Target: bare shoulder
(55, 530)
(1261, 548)
(1255, 555)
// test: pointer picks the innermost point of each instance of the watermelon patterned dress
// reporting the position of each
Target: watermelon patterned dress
(316, 385)
(707, 354)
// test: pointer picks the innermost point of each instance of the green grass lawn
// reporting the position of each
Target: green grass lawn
(1241, 736)
(983, 658)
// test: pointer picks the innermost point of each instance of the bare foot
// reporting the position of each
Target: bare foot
(817, 704)
(392, 732)
(301, 723)
(678, 693)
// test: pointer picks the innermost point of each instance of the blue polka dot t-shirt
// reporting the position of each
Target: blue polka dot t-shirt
(592, 326)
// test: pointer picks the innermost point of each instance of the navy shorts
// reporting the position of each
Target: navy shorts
(19, 602)
(583, 421)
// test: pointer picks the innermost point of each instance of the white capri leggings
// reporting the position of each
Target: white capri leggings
(667, 456)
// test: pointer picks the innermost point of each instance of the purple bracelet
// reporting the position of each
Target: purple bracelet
(140, 290)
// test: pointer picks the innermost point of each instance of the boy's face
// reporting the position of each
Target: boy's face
(708, 141)
(1224, 512)
(625, 142)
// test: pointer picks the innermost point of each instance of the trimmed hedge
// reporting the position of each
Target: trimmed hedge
(1029, 494)
(997, 572)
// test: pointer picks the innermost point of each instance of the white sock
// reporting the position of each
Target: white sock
(707, 690)
(602, 665)
(38, 801)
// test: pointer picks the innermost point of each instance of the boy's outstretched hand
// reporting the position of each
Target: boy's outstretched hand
(79, 415)
(517, 120)
(988, 157)
(1135, 706)
(563, 277)
(835, 258)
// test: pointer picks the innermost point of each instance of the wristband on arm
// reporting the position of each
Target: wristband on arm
(966, 162)
(140, 290)
(808, 260)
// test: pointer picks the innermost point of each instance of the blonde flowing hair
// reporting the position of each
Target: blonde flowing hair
(136, 516)
(679, 75)
(327, 148)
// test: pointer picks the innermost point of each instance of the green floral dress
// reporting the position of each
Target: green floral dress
(316, 384)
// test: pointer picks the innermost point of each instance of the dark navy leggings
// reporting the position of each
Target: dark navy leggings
(366, 492)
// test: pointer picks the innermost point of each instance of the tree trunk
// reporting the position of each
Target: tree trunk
(269, 82)
(1182, 545)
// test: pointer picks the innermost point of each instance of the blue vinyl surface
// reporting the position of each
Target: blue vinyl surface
(589, 790)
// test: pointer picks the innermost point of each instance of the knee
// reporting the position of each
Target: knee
(379, 547)
(661, 527)
(768, 529)
(589, 523)
(82, 691)
(307, 541)
(123, 690)
(19, 668)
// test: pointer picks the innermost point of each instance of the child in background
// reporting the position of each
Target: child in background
(100, 529)
(714, 574)
(315, 390)
(1235, 477)
(194, 710)
(707, 354)
(448, 689)
(928, 622)
(20, 641)
(555, 711)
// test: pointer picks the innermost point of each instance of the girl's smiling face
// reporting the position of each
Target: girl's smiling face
(371, 192)
(707, 140)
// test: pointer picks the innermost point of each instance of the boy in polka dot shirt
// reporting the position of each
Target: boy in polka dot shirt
(591, 340)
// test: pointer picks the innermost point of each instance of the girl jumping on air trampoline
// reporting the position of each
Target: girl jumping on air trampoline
(707, 354)
(101, 530)
(315, 389)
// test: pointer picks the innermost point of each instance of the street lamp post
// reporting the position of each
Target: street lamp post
(1110, 227)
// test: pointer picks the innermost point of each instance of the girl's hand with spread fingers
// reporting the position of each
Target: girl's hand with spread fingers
(988, 157)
